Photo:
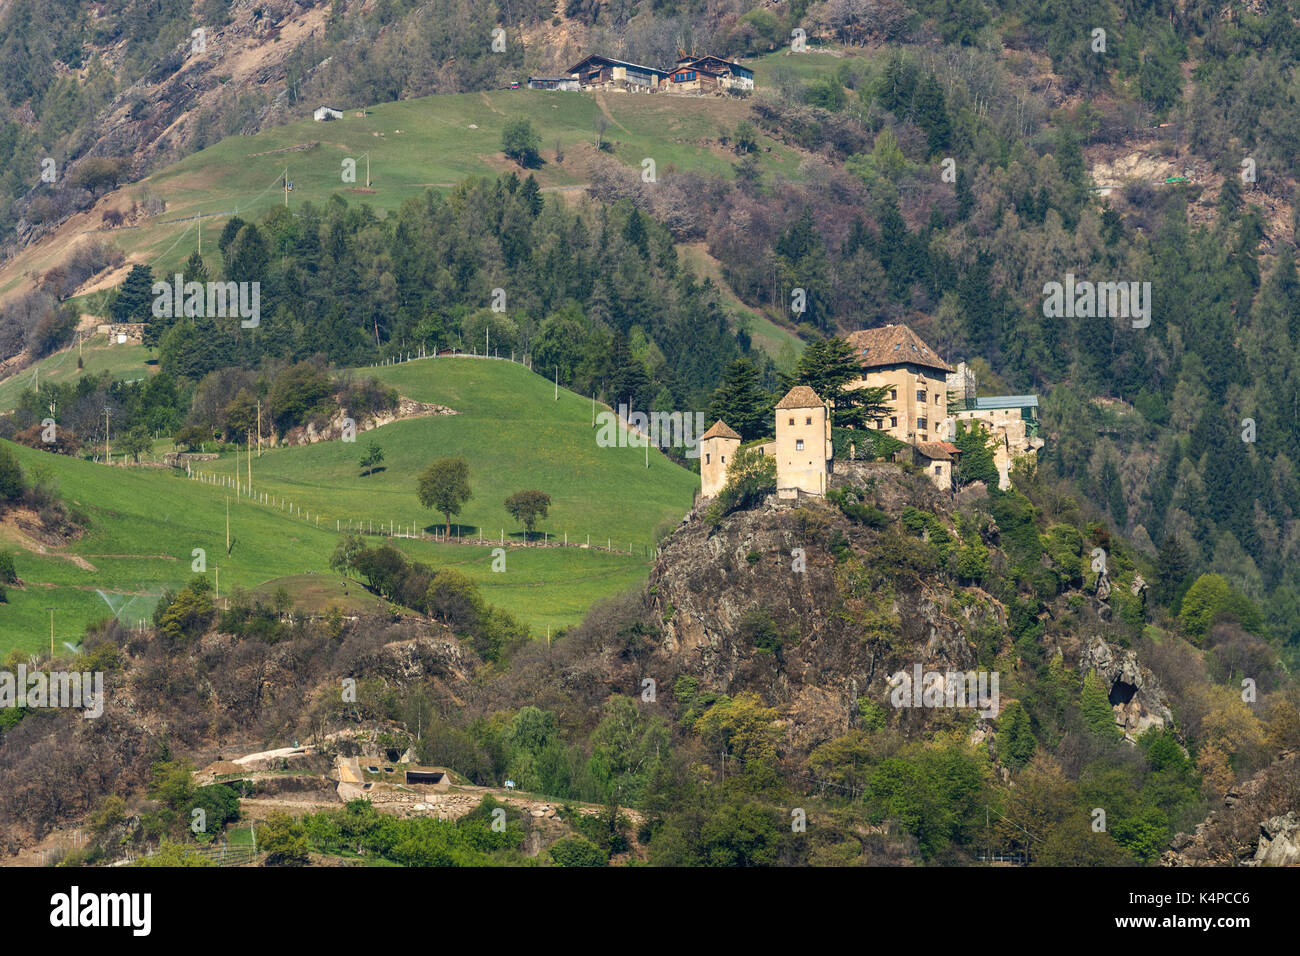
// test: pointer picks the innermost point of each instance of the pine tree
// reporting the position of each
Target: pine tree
(1173, 573)
(828, 367)
(1114, 490)
(741, 402)
(976, 461)
(134, 300)
(1098, 715)
(932, 114)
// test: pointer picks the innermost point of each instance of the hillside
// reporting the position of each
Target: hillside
(144, 522)
(773, 684)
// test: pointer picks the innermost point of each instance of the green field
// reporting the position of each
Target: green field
(146, 522)
(432, 141)
(121, 361)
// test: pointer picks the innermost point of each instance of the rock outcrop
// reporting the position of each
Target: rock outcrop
(1135, 694)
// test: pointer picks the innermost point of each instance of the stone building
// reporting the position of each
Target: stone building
(802, 447)
(1012, 420)
(717, 447)
(803, 443)
(917, 378)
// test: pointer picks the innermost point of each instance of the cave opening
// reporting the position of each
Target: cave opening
(1121, 693)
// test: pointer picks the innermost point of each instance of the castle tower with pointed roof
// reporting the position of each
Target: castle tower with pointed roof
(717, 447)
(803, 443)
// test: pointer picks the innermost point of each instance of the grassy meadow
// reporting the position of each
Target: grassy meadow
(144, 523)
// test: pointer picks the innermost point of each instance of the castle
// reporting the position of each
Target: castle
(802, 447)
(921, 414)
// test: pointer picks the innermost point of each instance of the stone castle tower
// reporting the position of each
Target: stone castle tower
(803, 443)
(717, 447)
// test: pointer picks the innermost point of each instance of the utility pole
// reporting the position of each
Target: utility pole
(250, 464)
(227, 524)
(108, 449)
(286, 187)
(259, 428)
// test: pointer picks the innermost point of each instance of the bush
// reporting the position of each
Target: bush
(577, 851)
(750, 476)
(12, 483)
(1212, 599)
(520, 143)
(8, 575)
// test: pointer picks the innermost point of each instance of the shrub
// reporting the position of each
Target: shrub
(12, 483)
(577, 851)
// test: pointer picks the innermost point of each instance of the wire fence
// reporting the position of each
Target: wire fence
(417, 530)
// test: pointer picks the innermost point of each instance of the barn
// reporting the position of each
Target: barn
(601, 72)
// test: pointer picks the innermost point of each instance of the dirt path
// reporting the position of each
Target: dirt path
(600, 101)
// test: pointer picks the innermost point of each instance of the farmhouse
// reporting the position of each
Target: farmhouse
(687, 78)
(603, 73)
(725, 74)
(122, 333)
(324, 114)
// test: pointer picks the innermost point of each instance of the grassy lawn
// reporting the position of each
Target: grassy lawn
(146, 522)
(122, 361)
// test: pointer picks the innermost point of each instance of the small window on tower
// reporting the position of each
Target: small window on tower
(792, 421)
(893, 393)
(893, 423)
(920, 396)
(808, 420)
(708, 459)
(798, 445)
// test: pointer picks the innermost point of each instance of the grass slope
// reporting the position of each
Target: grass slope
(121, 361)
(432, 141)
(145, 523)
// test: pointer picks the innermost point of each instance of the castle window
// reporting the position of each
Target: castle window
(808, 420)
(707, 458)
(920, 395)
(893, 393)
(798, 444)
(923, 423)
(893, 423)
(938, 469)
(792, 421)
(880, 423)
(723, 459)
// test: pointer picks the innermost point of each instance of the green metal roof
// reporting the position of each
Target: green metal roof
(1003, 401)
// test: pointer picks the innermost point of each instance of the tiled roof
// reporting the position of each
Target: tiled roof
(894, 345)
(936, 450)
(719, 430)
(801, 396)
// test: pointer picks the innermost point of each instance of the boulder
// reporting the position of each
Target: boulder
(1279, 841)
